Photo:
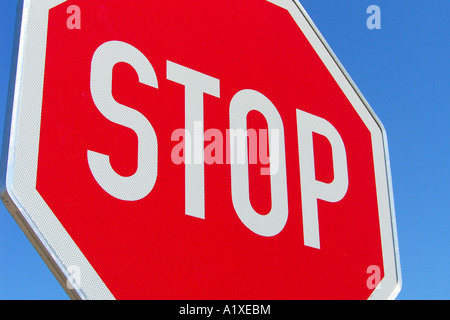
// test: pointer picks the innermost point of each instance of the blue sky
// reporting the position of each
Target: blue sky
(403, 70)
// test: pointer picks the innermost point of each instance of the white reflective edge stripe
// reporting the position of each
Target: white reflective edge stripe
(390, 285)
(50, 237)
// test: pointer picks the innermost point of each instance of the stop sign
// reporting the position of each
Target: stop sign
(196, 150)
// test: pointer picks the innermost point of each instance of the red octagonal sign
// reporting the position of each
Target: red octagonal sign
(196, 150)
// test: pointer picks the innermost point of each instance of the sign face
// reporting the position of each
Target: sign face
(196, 150)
